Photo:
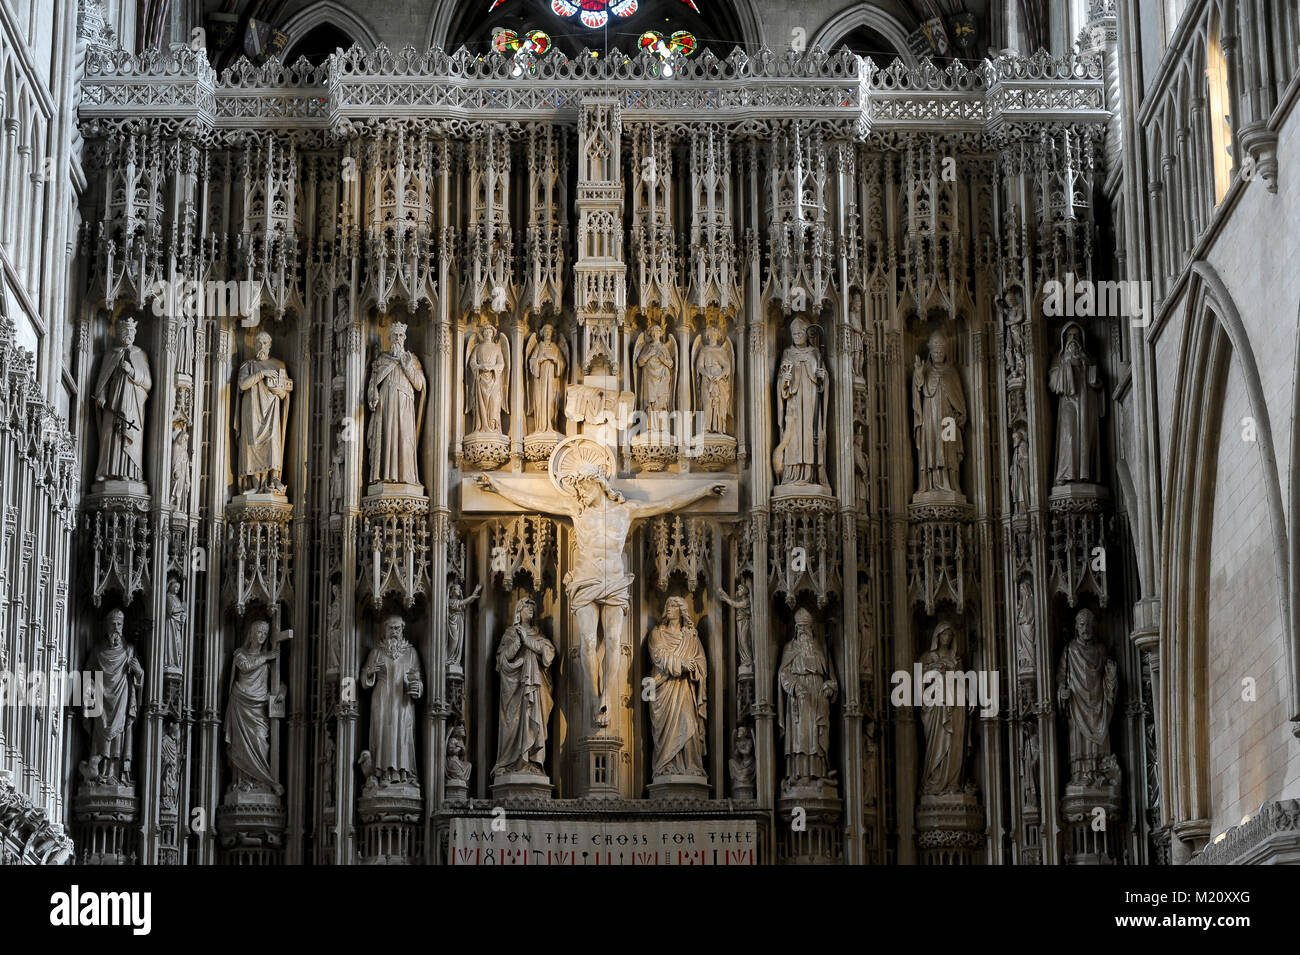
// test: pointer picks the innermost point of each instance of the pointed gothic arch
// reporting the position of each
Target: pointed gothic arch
(330, 13)
(1214, 335)
(864, 16)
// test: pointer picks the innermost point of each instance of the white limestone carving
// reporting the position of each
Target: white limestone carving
(524, 658)
(393, 436)
(679, 702)
(938, 422)
(393, 670)
(121, 392)
(264, 388)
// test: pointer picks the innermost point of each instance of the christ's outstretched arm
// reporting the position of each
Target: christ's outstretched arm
(546, 503)
(643, 509)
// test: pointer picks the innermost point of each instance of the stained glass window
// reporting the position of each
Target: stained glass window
(596, 13)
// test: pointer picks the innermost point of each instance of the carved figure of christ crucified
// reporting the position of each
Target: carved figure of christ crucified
(599, 584)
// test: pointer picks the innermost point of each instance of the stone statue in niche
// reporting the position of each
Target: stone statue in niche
(487, 379)
(598, 584)
(174, 646)
(946, 727)
(713, 362)
(1086, 685)
(264, 388)
(523, 661)
(1015, 333)
(457, 604)
(654, 363)
(248, 723)
(861, 469)
(678, 705)
(741, 764)
(866, 633)
(110, 719)
(740, 603)
(171, 751)
(180, 469)
(333, 630)
(1019, 470)
(329, 764)
(338, 469)
(1074, 377)
(1029, 765)
(808, 686)
(120, 394)
(802, 394)
(458, 767)
(547, 359)
(1026, 650)
(393, 669)
(393, 435)
(938, 420)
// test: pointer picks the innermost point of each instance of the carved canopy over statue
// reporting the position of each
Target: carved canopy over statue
(802, 393)
(121, 391)
(393, 436)
(264, 388)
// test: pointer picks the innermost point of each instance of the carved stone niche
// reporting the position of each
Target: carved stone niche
(679, 544)
(120, 537)
(1080, 523)
(523, 545)
(804, 546)
(941, 556)
(394, 545)
(259, 550)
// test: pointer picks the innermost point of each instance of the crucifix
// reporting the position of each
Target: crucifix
(598, 585)
(276, 689)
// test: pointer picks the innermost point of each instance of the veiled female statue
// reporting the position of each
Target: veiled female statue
(808, 687)
(487, 379)
(678, 706)
(248, 724)
(523, 659)
(944, 726)
(713, 363)
(547, 358)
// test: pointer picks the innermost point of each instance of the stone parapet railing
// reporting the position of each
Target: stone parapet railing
(356, 86)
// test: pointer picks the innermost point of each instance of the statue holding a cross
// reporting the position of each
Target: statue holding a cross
(599, 584)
